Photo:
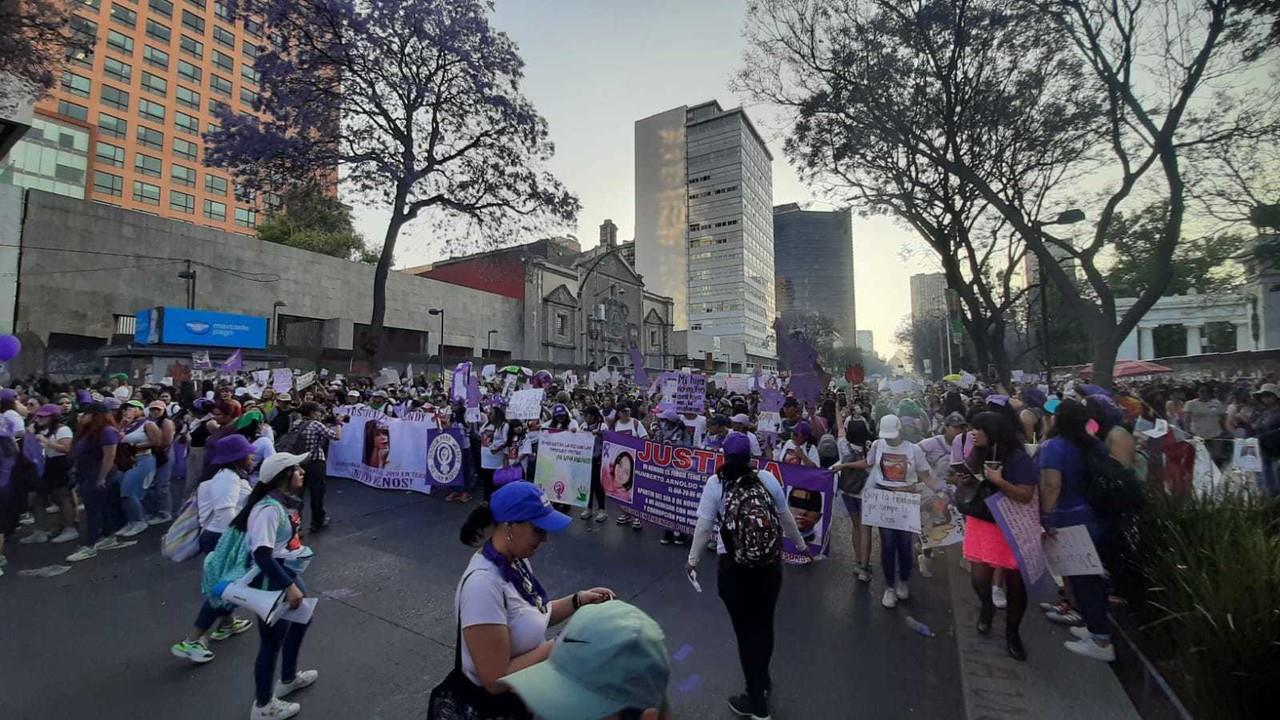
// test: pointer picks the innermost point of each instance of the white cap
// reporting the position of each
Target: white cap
(890, 427)
(277, 463)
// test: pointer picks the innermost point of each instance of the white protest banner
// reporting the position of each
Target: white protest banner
(488, 371)
(738, 385)
(941, 524)
(1015, 375)
(1070, 551)
(306, 380)
(387, 376)
(769, 422)
(473, 414)
(966, 379)
(902, 387)
(261, 377)
(890, 509)
(526, 404)
(563, 469)
(381, 451)
(281, 380)
(1020, 523)
(255, 390)
(1245, 455)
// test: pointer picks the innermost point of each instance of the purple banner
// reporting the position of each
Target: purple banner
(662, 484)
(639, 375)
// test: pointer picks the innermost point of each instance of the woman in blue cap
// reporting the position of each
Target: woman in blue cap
(503, 611)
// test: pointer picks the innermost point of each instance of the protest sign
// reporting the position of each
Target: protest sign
(508, 386)
(685, 392)
(1245, 456)
(461, 381)
(488, 371)
(1070, 551)
(381, 451)
(738, 385)
(261, 377)
(890, 509)
(387, 376)
(941, 524)
(769, 422)
(563, 467)
(306, 380)
(200, 360)
(1020, 523)
(447, 462)
(662, 484)
(282, 380)
(526, 404)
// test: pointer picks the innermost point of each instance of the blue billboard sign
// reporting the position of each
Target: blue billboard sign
(180, 326)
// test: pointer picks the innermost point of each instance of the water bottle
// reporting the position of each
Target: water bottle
(919, 627)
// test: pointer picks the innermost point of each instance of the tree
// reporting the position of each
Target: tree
(34, 35)
(418, 102)
(1201, 265)
(312, 219)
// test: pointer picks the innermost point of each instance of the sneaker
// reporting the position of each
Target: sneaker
(667, 538)
(27, 518)
(635, 524)
(132, 529)
(110, 542)
(742, 706)
(922, 564)
(863, 573)
(1060, 607)
(586, 514)
(901, 590)
(84, 553)
(601, 516)
(890, 598)
(159, 519)
(35, 538)
(1071, 617)
(624, 520)
(1091, 649)
(67, 535)
(301, 680)
(237, 626)
(196, 652)
(998, 597)
(1080, 632)
(277, 709)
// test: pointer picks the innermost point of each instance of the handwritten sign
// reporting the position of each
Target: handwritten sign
(281, 380)
(306, 380)
(1020, 523)
(1070, 551)
(685, 392)
(889, 509)
(526, 404)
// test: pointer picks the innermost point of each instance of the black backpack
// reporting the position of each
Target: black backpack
(293, 442)
(1110, 488)
(749, 525)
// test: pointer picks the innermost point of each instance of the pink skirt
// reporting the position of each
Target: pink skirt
(984, 543)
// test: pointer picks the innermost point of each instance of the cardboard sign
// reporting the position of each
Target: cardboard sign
(526, 404)
(890, 509)
(1070, 551)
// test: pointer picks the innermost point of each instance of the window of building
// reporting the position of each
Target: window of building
(187, 71)
(126, 324)
(212, 127)
(653, 338)
(108, 184)
(220, 85)
(186, 123)
(214, 184)
(75, 84)
(159, 31)
(150, 138)
(194, 48)
(151, 110)
(122, 15)
(224, 61)
(246, 217)
(187, 97)
(562, 325)
(248, 74)
(158, 58)
(74, 111)
(217, 107)
(253, 27)
(225, 38)
(192, 21)
(114, 97)
(196, 3)
(185, 149)
(215, 210)
(108, 154)
(155, 84)
(147, 165)
(182, 202)
(112, 125)
(249, 50)
(248, 98)
(117, 70)
(161, 7)
(182, 175)
(95, 4)
(145, 192)
(120, 41)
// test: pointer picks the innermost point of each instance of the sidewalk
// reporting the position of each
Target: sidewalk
(1053, 684)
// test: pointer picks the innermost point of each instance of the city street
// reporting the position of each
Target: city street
(93, 643)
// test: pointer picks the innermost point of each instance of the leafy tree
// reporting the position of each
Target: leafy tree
(1202, 265)
(312, 219)
(417, 102)
(34, 35)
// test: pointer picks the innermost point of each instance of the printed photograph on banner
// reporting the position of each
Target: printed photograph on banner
(381, 451)
(1245, 455)
(563, 467)
(940, 523)
(810, 494)
(617, 472)
(377, 444)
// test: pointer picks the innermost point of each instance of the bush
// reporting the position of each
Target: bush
(1202, 575)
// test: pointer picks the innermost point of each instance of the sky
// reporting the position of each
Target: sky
(594, 67)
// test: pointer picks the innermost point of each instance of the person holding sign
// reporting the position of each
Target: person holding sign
(1000, 460)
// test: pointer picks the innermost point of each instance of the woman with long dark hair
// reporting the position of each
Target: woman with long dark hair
(141, 436)
(93, 455)
(999, 458)
(493, 448)
(748, 586)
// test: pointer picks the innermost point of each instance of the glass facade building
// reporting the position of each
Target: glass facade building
(52, 156)
(813, 264)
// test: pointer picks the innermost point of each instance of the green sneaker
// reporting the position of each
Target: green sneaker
(236, 627)
(194, 651)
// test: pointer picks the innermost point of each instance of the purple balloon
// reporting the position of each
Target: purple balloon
(10, 346)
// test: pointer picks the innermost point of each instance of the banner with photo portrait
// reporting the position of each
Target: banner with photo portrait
(381, 451)
(662, 484)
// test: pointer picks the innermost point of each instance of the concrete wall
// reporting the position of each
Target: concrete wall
(85, 262)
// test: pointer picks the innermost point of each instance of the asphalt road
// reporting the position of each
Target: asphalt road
(93, 643)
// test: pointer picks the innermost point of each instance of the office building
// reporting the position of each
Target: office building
(704, 227)
(813, 265)
(866, 342)
(124, 123)
(928, 296)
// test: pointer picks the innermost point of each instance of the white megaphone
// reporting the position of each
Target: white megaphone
(266, 604)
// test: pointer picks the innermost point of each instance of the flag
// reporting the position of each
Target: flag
(641, 378)
(233, 363)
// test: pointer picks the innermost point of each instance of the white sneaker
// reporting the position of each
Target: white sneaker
(998, 597)
(27, 518)
(586, 514)
(35, 538)
(1092, 649)
(84, 553)
(159, 519)
(277, 709)
(132, 529)
(922, 562)
(301, 680)
(67, 535)
(110, 542)
(196, 652)
(901, 590)
(890, 599)
(51, 509)
(601, 516)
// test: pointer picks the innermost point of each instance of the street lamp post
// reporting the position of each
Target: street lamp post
(440, 346)
(275, 321)
(488, 343)
(1067, 217)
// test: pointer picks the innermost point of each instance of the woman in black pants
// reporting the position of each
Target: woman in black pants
(750, 569)
(593, 423)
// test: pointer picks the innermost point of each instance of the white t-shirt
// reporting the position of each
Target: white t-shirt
(16, 425)
(789, 448)
(219, 498)
(630, 427)
(269, 527)
(896, 467)
(490, 460)
(62, 433)
(485, 598)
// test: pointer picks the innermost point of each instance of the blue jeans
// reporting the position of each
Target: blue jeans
(1091, 590)
(283, 639)
(896, 554)
(101, 510)
(157, 499)
(131, 486)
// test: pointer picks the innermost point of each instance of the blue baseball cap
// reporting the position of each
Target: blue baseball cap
(525, 502)
(736, 444)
